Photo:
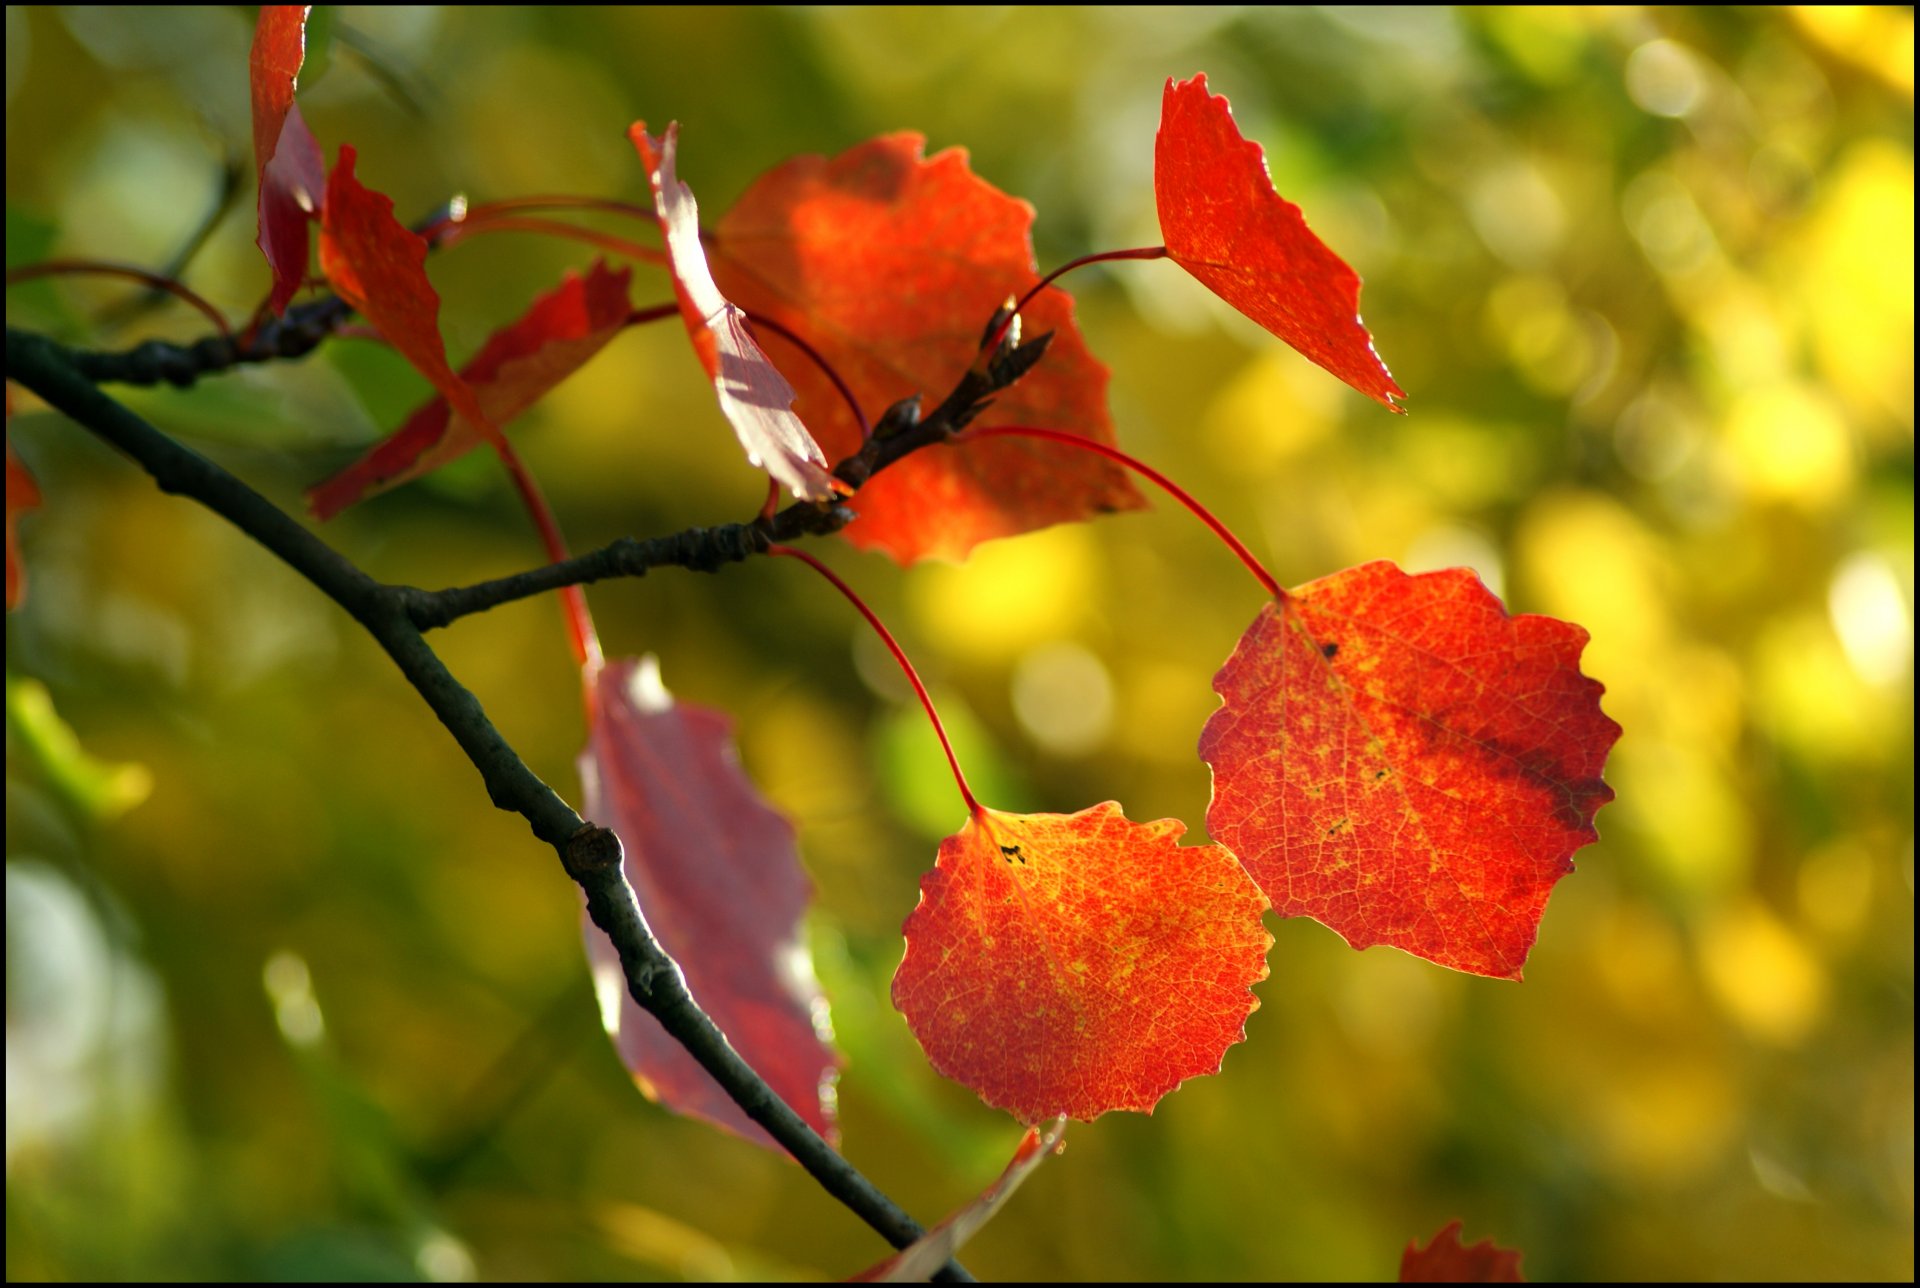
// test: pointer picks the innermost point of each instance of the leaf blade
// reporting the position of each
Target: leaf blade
(720, 882)
(379, 267)
(292, 173)
(1224, 222)
(23, 494)
(924, 1257)
(754, 396)
(889, 262)
(519, 363)
(1076, 964)
(1445, 1261)
(1400, 759)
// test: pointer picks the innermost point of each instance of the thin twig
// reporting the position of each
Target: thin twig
(901, 432)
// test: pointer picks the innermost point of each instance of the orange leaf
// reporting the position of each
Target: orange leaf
(291, 170)
(1399, 759)
(925, 1256)
(380, 268)
(1444, 1261)
(1225, 224)
(755, 398)
(1077, 963)
(22, 494)
(514, 369)
(890, 264)
(721, 886)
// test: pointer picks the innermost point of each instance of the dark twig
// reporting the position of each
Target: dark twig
(160, 362)
(591, 855)
(901, 432)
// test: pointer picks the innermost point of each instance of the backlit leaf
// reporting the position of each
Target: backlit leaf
(890, 264)
(1398, 758)
(292, 173)
(919, 1262)
(517, 365)
(1077, 963)
(1445, 1261)
(720, 883)
(755, 398)
(1224, 223)
(23, 494)
(379, 267)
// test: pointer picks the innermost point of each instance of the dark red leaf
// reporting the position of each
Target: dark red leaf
(514, 369)
(379, 267)
(755, 398)
(1080, 963)
(720, 883)
(23, 494)
(921, 1260)
(890, 264)
(291, 170)
(1444, 1261)
(1224, 223)
(1399, 759)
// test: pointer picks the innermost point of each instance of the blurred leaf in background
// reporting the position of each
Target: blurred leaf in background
(310, 1008)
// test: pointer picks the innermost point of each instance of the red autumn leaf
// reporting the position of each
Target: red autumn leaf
(293, 175)
(379, 267)
(1077, 963)
(918, 1262)
(890, 264)
(1444, 1261)
(514, 369)
(720, 883)
(23, 494)
(1225, 224)
(1399, 759)
(755, 398)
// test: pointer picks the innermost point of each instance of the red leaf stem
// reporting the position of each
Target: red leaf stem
(1151, 475)
(899, 655)
(133, 273)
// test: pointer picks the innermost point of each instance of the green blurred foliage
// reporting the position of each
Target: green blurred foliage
(291, 1000)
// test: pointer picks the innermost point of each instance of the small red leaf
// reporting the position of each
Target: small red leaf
(23, 494)
(1399, 759)
(890, 263)
(1444, 1261)
(292, 173)
(755, 398)
(1077, 963)
(379, 267)
(921, 1260)
(514, 369)
(720, 883)
(1225, 224)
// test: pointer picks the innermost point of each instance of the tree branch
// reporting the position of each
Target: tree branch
(156, 362)
(901, 432)
(590, 854)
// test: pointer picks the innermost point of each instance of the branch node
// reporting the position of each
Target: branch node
(591, 852)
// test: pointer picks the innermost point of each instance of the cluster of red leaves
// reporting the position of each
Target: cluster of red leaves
(1394, 756)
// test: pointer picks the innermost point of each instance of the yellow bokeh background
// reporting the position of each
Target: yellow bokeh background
(288, 999)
